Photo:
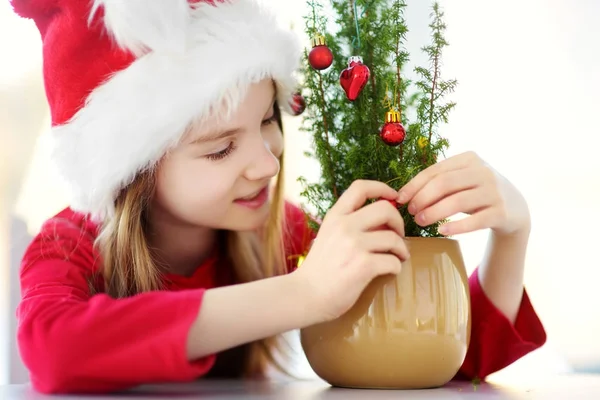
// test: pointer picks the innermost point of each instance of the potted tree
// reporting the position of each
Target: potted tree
(368, 121)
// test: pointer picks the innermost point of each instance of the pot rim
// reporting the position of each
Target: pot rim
(419, 238)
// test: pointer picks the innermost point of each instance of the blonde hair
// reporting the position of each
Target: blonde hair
(129, 267)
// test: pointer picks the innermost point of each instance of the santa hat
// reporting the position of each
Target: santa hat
(125, 79)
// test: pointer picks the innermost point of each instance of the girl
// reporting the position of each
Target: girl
(170, 263)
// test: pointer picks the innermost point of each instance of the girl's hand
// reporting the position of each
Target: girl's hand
(355, 244)
(465, 184)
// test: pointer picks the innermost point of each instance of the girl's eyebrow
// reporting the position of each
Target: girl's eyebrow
(222, 135)
(216, 136)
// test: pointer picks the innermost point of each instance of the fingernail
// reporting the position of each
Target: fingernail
(443, 229)
(412, 208)
(401, 198)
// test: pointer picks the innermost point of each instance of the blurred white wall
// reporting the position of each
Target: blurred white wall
(527, 97)
(22, 114)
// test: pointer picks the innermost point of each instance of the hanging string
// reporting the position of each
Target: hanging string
(356, 39)
(314, 19)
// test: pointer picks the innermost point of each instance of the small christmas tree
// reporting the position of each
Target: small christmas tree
(364, 131)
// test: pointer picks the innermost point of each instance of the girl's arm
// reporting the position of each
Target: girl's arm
(74, 342)
(502, 269)
(234, 315)
(504, 325)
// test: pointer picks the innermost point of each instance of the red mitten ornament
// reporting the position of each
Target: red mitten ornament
(392, 133)
(354, 78)
(297, 104)
(320, 57)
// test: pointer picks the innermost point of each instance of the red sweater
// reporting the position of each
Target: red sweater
(72, 341)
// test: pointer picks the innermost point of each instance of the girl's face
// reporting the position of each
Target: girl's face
(219, 177)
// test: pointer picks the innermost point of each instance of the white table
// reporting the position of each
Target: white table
(552, 387)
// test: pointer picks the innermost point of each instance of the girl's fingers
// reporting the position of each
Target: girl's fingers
(385, 241)
(445, 185)
(383, 264)
(377, 215)
(461, 161)
(482, 219)
(468, 202)
(358, 193)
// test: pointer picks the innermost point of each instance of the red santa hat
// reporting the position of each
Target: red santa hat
(125, 79)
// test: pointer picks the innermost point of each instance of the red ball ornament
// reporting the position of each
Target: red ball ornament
(392, 133)
(354, 78)
(320, 57)
(394, 203)
(297, 104)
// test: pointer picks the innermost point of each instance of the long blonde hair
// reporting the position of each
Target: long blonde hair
(130, 268)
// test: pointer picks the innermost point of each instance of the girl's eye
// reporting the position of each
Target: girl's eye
(223, 153)
(231, 147)
(270, 120)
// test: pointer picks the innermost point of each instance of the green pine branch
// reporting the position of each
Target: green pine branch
(345, 134)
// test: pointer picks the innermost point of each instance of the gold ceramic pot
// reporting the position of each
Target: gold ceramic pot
(408, 331)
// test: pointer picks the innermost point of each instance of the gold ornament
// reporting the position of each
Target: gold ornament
(392, 116)
(318, 40)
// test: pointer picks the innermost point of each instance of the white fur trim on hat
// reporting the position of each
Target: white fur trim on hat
(190, 59)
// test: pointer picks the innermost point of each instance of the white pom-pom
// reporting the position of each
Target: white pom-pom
(141, 26)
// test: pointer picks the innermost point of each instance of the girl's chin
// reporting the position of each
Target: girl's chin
(248, 219)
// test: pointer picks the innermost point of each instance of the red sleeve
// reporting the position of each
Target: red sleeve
(495, 341)
(73, 342)
(297, 234)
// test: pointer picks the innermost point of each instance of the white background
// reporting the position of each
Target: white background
(527, 103)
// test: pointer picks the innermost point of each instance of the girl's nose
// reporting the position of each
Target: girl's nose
(263, 163)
